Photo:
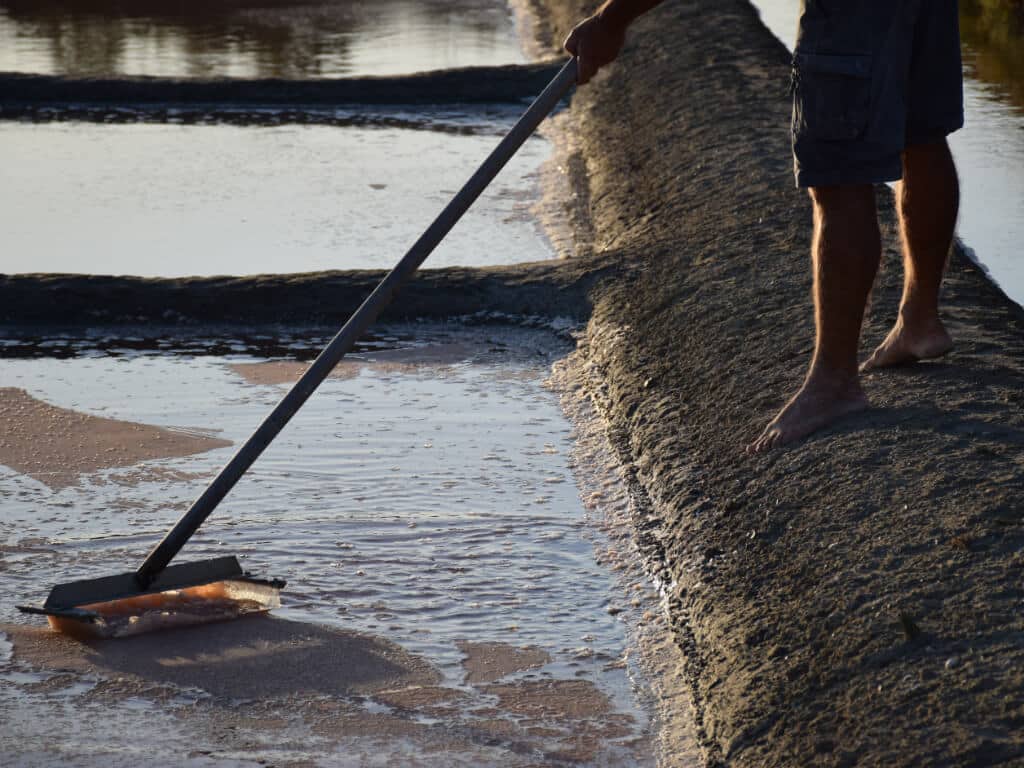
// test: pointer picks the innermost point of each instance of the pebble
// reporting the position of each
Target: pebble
(952, 662)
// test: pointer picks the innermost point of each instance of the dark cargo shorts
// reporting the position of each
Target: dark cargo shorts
(871, 77)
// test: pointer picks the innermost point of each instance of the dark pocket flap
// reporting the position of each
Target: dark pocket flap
(850, 65)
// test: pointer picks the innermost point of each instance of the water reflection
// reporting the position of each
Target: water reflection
(174, 200)
(253, 38)
(993, 46)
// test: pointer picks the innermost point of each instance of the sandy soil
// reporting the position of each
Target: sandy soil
(56, 445)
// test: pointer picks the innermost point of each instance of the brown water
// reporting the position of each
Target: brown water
(253, 38)
(426, 496)
(989, 150)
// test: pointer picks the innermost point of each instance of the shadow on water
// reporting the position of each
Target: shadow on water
(251, 38)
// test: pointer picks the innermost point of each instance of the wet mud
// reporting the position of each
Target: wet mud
(387, 361)
(487, 662)
(310, 101)
(301, 694)
(246, 658)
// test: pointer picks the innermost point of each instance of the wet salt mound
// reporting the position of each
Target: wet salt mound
(249, 658)
(272, 689)
(55, 445)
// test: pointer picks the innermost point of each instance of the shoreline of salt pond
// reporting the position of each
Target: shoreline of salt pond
(547, 288)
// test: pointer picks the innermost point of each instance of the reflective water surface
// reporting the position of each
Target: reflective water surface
(253, 38)
(178, 200)
(424, 495)
(989, 150)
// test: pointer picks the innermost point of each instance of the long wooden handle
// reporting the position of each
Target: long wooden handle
(353, 330)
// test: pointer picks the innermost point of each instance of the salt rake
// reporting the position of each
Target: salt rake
(158, 594)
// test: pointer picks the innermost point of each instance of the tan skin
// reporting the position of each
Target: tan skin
(845, 254)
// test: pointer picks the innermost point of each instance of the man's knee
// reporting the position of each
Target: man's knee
(843, 198)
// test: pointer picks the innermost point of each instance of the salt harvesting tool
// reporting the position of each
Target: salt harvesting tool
(159, 594)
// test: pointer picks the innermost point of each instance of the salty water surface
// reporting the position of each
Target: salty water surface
(182, 200)
(254, 38)
(424, 497)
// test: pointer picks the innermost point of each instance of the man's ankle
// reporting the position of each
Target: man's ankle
(916, 315)
(839, 379)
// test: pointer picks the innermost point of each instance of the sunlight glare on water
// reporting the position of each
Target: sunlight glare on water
(175, 200)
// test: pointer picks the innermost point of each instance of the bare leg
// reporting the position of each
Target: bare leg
(846, 252)
(927, 201)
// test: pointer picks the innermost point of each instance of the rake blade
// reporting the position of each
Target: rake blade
(186, 594)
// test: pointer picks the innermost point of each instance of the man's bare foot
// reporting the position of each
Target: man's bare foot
(821, 400)
(907, 344)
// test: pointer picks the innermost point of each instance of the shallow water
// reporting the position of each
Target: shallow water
(177, 200)
(989, 150)
(254, 38)
(428, 502)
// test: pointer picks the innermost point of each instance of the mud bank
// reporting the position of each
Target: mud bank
(854, 599)
(541, 288)
(26, 94)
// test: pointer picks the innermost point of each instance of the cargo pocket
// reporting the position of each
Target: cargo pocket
(832, 96)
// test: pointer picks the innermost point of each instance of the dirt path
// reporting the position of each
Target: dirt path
(856, 598)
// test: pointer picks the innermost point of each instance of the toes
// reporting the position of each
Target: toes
(765, 442)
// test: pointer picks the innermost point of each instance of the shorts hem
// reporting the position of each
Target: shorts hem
(835, 177)
(932, 134)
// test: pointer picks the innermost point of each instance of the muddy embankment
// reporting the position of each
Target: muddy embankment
(854, 599)
(236, 100)
(543, 288)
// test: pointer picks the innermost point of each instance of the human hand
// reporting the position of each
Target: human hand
(594, 42)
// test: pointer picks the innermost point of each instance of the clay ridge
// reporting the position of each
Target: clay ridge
(853, 599)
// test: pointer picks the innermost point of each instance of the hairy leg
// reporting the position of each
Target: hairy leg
(846, 252)
(927, 201)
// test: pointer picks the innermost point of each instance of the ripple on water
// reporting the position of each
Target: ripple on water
(407, 503)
